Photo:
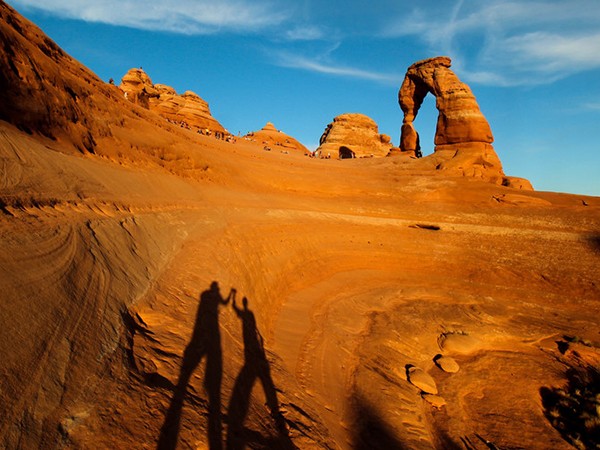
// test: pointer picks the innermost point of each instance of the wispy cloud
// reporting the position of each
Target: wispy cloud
(176, 16)
(326, 66)
(594, 106)
(507, 42)
(305, 33)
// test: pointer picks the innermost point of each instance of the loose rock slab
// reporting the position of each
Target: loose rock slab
(447, 364)
(422, 380)
(434, 400)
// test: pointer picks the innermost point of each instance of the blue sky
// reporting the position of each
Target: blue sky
(534, 66)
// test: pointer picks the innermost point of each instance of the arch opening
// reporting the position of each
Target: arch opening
(425, 125)
(346, 153)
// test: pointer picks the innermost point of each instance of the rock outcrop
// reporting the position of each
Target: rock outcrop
(138, 87)
(270, 136)
(43, 91)
(517, 183)
(463, 136)
(353, 136)
(187, 109)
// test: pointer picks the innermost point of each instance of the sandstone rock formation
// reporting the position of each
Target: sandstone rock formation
(44, 91)
(353, 136)
(463, 136)
(138, 87)
(270, 136)
(517, 183)
(106, 262)
(187, 109)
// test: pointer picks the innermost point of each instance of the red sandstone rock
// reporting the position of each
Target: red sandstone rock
(517, 183)
(138, 87)
(104, 262)
(463, 136)
(187, 109)
(353, 136)
(270, 136)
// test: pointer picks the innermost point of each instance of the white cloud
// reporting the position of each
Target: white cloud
(594, 106)
(177, 16)
(305, 33)
(285, 59)
(507, 42)
(555, 53)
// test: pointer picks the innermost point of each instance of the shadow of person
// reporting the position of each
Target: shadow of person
(205, 341)
(255, 367)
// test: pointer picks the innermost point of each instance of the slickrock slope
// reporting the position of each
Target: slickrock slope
(353, 136)
(118, 330)
(277, 140)
(44, 91)
(187, 110)
(463, 136)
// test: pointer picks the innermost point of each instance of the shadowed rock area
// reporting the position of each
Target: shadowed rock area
(165, 289)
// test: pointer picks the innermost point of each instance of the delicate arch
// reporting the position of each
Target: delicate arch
(459, 117)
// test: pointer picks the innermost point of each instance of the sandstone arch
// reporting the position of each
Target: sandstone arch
(463, 136)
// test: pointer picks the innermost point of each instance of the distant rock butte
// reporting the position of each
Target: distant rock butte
(353, 136)
(187, 109)
(270, 136)
(463, 136)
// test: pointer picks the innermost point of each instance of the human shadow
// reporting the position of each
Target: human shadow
(370, 431)
(255, 367)
(594, 241)
(573, 409)
(205, 342)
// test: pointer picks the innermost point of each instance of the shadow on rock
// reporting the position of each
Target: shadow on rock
(594, 242)
(371, 432)
(205, 343)
(255, 368)
(574, 410)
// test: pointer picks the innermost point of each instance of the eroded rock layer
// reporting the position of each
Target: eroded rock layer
(353, 136)
(187, 109)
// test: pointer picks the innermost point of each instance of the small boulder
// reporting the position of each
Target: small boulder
(434, 400)
(446, 363)
(421, 379)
